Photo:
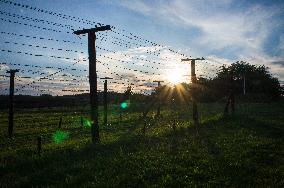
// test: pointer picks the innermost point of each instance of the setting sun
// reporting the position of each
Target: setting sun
(174, 76)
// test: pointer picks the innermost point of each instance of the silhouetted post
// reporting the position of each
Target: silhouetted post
(233, 102)
(93, 77)
(193, 92)
(231, 97)
(120, 116)
(39, 145)
(144, 127)
(244, 85)
(105, 99)
(81, 121)
(159, 97)
(243, 70)
(60, 122)
(174, 124)
(11, 101)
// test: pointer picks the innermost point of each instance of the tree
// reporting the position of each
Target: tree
(127, 93)
(258, 82)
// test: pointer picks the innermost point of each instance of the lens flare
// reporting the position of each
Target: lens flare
(86, 122)
(124, 104)
(59, 136)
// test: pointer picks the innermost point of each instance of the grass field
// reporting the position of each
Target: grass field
(244, 150)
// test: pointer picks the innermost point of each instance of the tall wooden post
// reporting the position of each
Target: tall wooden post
(105, 102)
(93, 86)
(231, 97)
(244, 87)
(11, 102)
(60, 122)
(105, 99)
(93, 78)
(39, 142)
(193, 90)
(194, 104)
(159, 98)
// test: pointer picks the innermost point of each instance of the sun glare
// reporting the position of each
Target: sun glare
(174, 76)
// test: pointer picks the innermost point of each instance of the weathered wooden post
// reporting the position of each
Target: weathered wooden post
(231, 97)
(120, 116)
(11, 101)
(81, 121)
(144, 127)
(105, 99)
(193, 92)
(60, 122)
(39, 142)
(174, 125)
(159, 97)
(93, 78)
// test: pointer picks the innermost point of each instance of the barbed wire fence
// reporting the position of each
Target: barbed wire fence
(52, 60)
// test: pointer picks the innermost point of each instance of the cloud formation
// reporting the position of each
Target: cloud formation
(226, 29)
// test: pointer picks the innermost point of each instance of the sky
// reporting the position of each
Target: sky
(223, 32)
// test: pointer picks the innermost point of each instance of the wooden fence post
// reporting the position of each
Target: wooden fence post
(39, 142)
(60, 122)
(11, 102)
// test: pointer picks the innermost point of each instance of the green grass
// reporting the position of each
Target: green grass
(244, 150)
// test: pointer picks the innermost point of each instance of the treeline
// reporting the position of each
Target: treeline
(250, 83)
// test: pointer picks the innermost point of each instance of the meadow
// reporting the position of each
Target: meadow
(241, 150)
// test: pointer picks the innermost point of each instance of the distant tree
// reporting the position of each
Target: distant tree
(260, 85)
(127, 93)
(258, 81)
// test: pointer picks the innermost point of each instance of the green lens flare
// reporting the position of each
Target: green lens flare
(59, 137)
(123, 105)
(87, 123)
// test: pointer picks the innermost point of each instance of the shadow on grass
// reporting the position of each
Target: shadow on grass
(183, 157)
(246, 151)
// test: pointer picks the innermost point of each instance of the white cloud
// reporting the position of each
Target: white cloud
(281, 43)
(275, 68)
(4, 68)
(217, 61)
(222, 27)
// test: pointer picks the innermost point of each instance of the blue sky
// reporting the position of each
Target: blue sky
(223, 31)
